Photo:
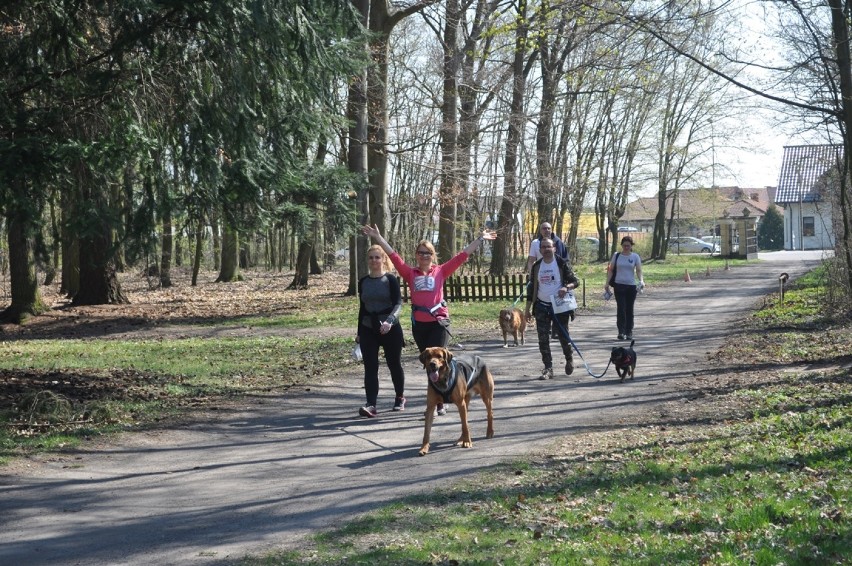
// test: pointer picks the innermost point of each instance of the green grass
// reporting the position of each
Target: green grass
(759, 475)
(221, 359)
(73, 389)
(338, 312)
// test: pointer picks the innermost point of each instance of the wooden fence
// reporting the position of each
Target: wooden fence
(480, 288)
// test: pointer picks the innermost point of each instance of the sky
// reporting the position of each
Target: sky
(762, 135)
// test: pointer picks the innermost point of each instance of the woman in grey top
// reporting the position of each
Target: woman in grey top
(378, 326)
(622, 272)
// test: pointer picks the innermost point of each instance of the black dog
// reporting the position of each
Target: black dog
(624, 360)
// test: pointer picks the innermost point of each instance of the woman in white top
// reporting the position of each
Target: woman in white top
(623, 270)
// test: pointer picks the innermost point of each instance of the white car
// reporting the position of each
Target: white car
(688, 244)
(588, 243)
(717, 240)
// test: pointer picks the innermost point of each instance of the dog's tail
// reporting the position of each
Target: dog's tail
(632, 342)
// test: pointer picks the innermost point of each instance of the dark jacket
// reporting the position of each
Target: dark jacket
(565, 272)
(376, 318)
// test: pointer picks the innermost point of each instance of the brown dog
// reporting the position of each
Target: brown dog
(512, 321)
(455, 380)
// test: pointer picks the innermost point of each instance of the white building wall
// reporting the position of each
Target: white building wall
(823, 238)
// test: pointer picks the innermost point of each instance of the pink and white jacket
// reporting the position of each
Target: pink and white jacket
(427, 289)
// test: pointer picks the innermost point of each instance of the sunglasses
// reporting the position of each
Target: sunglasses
(424, 254)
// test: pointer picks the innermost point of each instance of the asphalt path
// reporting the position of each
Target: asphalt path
(287, 466)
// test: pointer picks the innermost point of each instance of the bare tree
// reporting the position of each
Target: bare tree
(812, 81)
(520, 69)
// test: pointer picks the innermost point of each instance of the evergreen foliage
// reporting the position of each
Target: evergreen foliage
(130, 110)
(770, 233)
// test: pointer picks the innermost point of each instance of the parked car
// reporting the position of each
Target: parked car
(717, 241)
(587, 248)
(628, 229)
(588, 243)
(688, 244)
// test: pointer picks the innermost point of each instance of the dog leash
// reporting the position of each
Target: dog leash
(565, 333)
(523, 292)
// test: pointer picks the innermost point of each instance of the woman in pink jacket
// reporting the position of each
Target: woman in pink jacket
(430, 317)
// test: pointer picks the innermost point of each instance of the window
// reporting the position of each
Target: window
(808, 226)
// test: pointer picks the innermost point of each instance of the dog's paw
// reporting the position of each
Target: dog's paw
(423, 450)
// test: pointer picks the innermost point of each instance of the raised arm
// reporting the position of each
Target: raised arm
(486, 235)
(373, 232)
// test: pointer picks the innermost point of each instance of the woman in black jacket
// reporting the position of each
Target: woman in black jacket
(378, 326)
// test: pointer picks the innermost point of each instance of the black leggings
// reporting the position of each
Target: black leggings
(392, 343)
(625, 298)
(430, 334)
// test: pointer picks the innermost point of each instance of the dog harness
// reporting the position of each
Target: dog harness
(626, 359)
(469, 372)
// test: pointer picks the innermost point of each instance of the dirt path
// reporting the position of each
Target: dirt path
(265, 475)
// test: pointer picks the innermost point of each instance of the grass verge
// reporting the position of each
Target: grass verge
(756, 472)
(55, 393)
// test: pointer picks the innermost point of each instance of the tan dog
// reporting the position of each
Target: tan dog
(512, 321)
(455, 380)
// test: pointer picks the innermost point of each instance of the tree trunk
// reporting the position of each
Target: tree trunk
(449, 189)
(70, 284)
(513, 141)
(840, 30)
(229, 270)
(199, 251)
(300, 278)
(316, 234)
(53, 267)
(99, 283)
(26, 298)
(217, 241)
(178, 255)
(166, 240)
(356, 157)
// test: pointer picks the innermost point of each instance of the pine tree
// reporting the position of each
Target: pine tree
(770, 233)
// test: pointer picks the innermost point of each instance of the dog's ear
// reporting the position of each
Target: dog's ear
(448, 356)
(424, 355)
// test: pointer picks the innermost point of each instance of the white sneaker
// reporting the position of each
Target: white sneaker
(546, 374)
